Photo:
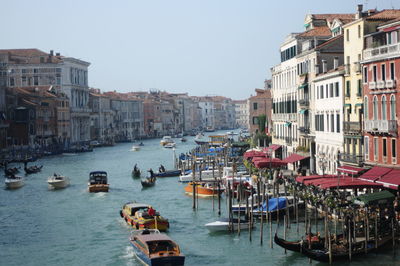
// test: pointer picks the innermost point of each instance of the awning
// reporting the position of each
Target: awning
(350, 184)
(273, 147)
(391, 179)
(358, 104)
(303, 111)
(288, 124)
(381, 196)
(391, 28)
(375, 173)
(251, 154)
(303, 86)
(302, 179)
(351, 170)
(269, 162)
(347, 105)
(294, 158)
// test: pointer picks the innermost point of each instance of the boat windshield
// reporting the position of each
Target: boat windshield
(160, 246)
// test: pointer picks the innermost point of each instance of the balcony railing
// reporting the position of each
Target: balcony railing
(351, 128)
(390, 84)
(351, 158)
(304, 130)
(288, 140)
(372, 85)
(304, 102)
(284, 117)
(383, 51)
(381, 126)
(380, 84)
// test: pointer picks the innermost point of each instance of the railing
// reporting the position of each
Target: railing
(390, 84)
(288, 140)
(381, 126)
(380, 84)
(304, 102)
(284, 117)
(351, 158)
(304, 130)
(351, 127)
(372, 85)
(382, 51)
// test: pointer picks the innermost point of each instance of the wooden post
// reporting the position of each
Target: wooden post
(284, 229)
(238, 195)
(213, 198)
(350, 238)
(329, 246)
(393, 240)
(262, 212)
(194, 186)
(365, 233)
(251, 216)
(376, 230)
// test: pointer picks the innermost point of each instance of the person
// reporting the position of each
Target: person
(135, 167)
(162, 168)
(151, 211)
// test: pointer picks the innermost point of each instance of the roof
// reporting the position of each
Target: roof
(273, 147)
(331, 17)
(391, 179)
(329, 41)
(375, 173)
(31, 55)
(294, 157)
(154, 237)
(367, 199)
(386, 14)
(137, 205)
(317, 31)
(351, 170)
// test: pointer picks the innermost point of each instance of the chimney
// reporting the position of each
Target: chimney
(359, 11)
(324, 66)
(51, 52)
(335, 62)
(316, 69)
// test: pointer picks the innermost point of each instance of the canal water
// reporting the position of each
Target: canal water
(39, 226)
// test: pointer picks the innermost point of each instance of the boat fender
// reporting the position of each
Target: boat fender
(120, 213)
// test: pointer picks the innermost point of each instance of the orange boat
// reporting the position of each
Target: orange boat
(203, 189)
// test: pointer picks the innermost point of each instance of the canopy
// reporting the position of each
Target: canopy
(349, 183)
(351, 170)
(251, 154)
(377, 197)
(274, 204)
(294, 158)
(269, 162)
(273, 147)
(375, 173)
(301, 179)
(391, 179)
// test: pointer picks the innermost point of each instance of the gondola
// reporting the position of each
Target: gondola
(296, 246)
(136, 172)
(168, 173)
(33, 169)
(148, 182)
(340, 252)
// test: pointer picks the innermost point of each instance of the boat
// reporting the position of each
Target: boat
(168, 173)
(145, 232)
(58, 181)
(183, 139)
(203, 189)
(199, 139)
(210, 129)
(148, 182)
(141, 144)
(340, 252)
(165, 140)
(297, 246)
(14, 181)
(98, 181)
(223, 225)
(170, 145)
(205, 175)
(136, 172)
(135, 148)
(143, 216)
(32, 169)
(156, 249)
(275, 205)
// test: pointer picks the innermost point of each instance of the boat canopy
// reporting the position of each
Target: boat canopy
(98, 173)
(274, 204)
(374, 198)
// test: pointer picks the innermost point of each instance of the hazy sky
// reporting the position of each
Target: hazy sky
(204, 47)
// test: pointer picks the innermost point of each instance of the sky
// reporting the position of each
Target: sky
(203, 47)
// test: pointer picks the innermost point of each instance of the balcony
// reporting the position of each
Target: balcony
(352, 128)
(390, 84)
(304, 130)
(357, 67)
(380, 84)
(381, 52)
(381, 126)
(372, 85)
(304, 103)
(284, 117)
(351, 158)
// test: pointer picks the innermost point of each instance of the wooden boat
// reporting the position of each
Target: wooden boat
(98, 181)
(139, 216)
(168, 173)
(203, 189)
(297, 246)
(340, 252)
(223, 225)
(14, 182)
(32, 169)
(11, 171)
(136, 172)
(148, 182)
(157, 249)
(58, 181)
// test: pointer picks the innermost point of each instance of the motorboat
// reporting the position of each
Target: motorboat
(14, 182)
(203, 189)
(170, 145)
(135, 148)
(167, 173)
(58, 181)
(224, 225)
(183, 139)
(98, 182)
(206, 175)
(199, 139)
(165, 140)
(275, 205)
(143, 216)
(156, 249)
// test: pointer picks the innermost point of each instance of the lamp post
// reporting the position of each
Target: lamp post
(322, 162)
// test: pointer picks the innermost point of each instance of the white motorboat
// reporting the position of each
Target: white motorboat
(170, 145)
(200, 139)
(58, 181)
(223, 225)
(135, 148)
(165, 140)
(13, 182)
(206, 175)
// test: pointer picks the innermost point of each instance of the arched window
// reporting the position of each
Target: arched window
(375, 106)
(366, 116)
(392, 108)
(383, 105)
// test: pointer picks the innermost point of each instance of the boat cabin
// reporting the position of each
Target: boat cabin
(98, 177)
(157, 244)
(132, 208)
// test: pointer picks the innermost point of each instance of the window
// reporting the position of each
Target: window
(327, 91)
(327, 122)
(332, 123)
(393, 148)
(317, 92)
(384, 151)
(35, 80)
(392, 108)
(255, 120)
(374, 73)
(365, 108)
(337, 89)
(331, 90)
(359, 31)
(375, 149)
(321, 91)
(392, 71)
(348, 88)
(366, 145)
(375, 107)
(383, 72)
(365, 75)
(384, 109)
(338, 123)
(359, 88)
(255, 106)
(12, 82)
(347, 35)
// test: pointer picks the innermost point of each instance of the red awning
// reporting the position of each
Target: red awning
(391, 28)
(294, 158)
(273, 147)
(251, 154)
(302, 179)
(351, 170)
(375, 173)
(267, 162)
(349, 183)
(391, 179)
(258, 158)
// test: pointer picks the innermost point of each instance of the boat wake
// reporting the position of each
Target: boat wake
(128, 255)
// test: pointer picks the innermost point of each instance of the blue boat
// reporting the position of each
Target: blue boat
(274, 205)
(168, 173)
(156, 250)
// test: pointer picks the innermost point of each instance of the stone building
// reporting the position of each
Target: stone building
(260, 104)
